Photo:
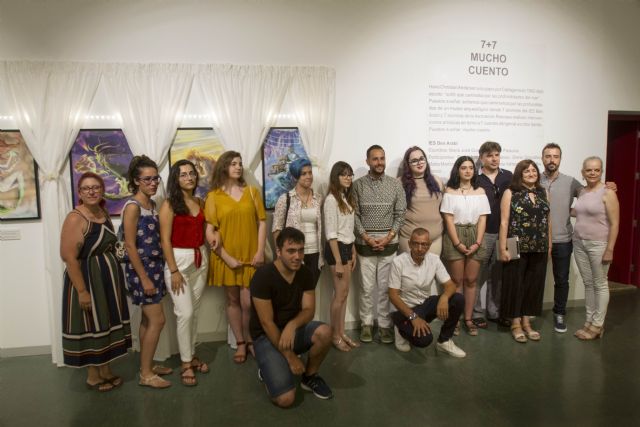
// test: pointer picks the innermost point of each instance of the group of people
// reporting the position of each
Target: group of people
(421, 248)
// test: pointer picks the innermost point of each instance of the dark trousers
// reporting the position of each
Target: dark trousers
(428, 311)
(523, 285)
(311, 262)
(561, 262)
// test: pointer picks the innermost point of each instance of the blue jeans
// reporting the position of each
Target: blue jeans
(273, 366)
(561, 261)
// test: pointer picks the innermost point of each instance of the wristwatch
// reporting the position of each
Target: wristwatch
(412, 316)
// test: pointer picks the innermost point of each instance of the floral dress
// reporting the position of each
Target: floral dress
(150, 253)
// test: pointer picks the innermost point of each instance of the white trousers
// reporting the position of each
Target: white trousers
(588, 255)
(374, 273)
(187, 303)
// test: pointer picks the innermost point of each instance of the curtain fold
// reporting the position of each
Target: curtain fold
(245, 101)
(312, 95)
(151, 99)
(49, 101)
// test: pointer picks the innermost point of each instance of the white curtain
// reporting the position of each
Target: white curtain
(312, 96)
(49, 101)
(245, 101)
(151, 99)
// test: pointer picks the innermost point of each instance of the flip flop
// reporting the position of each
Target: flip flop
(115, 381)
(99, 386)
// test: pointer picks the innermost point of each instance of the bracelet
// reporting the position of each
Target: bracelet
(479, 244)
(459, 243)
(175, 271)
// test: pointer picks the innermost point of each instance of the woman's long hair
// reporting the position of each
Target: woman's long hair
(409, 183)
(335, 189)
(98, 178)
(454, 179)
(174, 192)
(220, 173)
(516, 181)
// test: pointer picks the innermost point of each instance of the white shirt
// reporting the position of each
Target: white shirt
(338, 225)
(465, 209)
(414, 281)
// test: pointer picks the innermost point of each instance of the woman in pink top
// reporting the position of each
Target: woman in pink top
(597, 213)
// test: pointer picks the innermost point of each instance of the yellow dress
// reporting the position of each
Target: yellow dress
(237, 222)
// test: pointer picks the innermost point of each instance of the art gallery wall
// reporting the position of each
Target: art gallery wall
(386, 53)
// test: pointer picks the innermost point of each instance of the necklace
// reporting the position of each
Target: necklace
(463, 189)
(306, 200)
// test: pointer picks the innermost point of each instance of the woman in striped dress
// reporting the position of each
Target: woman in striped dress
(95, 318)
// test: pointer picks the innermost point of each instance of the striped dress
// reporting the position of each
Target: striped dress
(96, 337)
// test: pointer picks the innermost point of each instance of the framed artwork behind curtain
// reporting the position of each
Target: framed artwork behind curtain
(19, 188)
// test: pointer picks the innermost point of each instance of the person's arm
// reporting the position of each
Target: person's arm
(399, 210)
(71, 241)
(612, 207)
(549, 232)
(211, 231)
(264, 309)
(420, 326)
(278, 216)
(166, 228)
(449, 225)
(359, 229)
(505, 212)
(481, 226)
(130, 218)
(442, 309)
(258, 258)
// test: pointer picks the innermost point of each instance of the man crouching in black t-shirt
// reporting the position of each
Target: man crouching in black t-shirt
(284, 303)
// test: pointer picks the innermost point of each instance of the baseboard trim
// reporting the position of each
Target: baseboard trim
(25, 351)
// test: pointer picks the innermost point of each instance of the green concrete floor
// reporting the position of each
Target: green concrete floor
(558, 381)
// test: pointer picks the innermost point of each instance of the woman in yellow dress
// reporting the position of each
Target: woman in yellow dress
(236, 221)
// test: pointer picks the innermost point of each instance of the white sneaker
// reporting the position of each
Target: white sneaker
(401, 344)
(451, 348)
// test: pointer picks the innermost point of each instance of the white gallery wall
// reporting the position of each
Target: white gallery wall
(386, 53)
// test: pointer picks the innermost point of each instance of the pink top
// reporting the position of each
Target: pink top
(591, 216)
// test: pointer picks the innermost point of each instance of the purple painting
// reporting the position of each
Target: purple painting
(106, 153)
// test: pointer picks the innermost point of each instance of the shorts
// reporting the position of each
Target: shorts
(467, 235)
(345, 249)
(273, 366)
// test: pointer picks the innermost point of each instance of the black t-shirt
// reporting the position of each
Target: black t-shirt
(286, 299)
(494, 193)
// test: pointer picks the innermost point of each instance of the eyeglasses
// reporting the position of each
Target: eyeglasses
(147, 179)
(94, 188)
(418, 160)
(420, 244)
(191, 174)
(346, 175)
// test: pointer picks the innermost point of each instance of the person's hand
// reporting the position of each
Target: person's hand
(232, 263)
(258, 259)
(147, 286)
(420, 327)
(443, 307)
(607, 256)
(472, 249)
(505, 256)
(84, 298)
(295, 364)
(287, 338)
(353, 260)
(213, 239)
(371, 242)
(177, 283)
(462, 248)
(339, 270)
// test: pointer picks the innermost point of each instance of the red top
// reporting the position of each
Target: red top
(188, 231)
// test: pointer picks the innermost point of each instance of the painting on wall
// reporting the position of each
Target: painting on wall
(203, 147)
(19, 190)
(280, 148)
(104, 152)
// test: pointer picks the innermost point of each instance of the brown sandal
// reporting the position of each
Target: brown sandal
(101, 387)
(240, 358)
(188, 380)
(200, 366)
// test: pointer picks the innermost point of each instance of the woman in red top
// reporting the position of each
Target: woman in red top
(182, 235)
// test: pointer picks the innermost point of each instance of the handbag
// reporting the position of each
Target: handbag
(513, 247)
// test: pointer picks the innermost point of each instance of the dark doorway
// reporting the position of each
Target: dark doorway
(623, 168)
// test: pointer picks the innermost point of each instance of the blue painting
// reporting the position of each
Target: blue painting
(280, 148)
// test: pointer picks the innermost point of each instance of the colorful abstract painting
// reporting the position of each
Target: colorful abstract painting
(19, 190)
(280, 148)
(203, 147)
(106, 153)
